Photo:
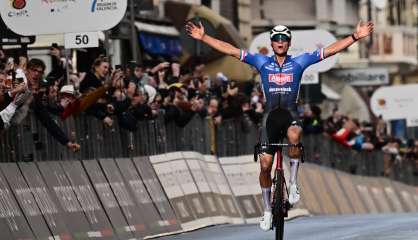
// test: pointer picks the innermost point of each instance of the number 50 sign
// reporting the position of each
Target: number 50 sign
(82, 40)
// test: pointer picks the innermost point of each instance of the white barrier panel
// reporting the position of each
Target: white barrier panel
(181, 190)
(242, 174)
(220, 186)
(200, 173)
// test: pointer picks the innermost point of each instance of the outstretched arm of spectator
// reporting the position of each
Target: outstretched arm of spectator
(198, 33)
(362, 31)
(43, 116)
(160, 67)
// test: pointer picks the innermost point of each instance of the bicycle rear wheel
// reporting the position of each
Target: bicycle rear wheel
(278, 205)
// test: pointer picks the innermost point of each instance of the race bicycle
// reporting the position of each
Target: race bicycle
(280, 204)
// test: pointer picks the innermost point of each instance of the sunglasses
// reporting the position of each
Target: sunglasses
(280, 37)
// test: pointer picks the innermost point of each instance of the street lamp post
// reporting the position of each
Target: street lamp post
(134, 37)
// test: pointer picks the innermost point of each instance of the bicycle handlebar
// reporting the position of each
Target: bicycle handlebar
(259, 145)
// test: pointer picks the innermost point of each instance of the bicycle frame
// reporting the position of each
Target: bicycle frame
(279, 182)
(280, 204)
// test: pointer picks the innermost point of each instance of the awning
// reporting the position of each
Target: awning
(159, 40)
(329, 93)
(160, 44)
(157, 29)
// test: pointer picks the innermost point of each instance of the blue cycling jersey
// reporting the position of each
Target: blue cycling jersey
(281, 84)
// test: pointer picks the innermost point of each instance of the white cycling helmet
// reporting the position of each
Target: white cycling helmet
(280, 29)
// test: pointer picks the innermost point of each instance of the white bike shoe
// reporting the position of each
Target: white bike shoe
(266, 220)
(294, 194)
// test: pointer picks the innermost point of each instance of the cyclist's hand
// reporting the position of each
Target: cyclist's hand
(364, 30)
(196, 32)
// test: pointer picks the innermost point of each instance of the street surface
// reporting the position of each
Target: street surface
(350, 227)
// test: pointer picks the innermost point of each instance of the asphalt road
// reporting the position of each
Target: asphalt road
(353, 227)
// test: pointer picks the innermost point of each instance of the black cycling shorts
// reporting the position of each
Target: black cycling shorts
(274, 129)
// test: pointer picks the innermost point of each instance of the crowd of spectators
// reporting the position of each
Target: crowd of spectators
(362, 136)
(135, 92)
(127, 94)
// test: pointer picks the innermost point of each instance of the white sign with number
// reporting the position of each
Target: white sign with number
(81, 40)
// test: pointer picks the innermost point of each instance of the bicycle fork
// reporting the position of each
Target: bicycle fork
(280, 183)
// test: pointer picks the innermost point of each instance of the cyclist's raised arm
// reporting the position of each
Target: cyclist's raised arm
(362, 31)
(198, 32)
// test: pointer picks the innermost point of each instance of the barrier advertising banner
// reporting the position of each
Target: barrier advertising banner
(13, 224)
(154, 188)
(143, 201)
(107, 198)
(138, 224)
(57, 181)
(26, 200)
(89, 202)
(47, 202)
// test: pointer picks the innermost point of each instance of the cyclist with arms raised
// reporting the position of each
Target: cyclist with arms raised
(281, 77)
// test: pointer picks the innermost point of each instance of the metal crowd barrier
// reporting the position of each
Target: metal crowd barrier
(31, 142)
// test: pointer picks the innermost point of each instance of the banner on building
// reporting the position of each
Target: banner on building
(363, 77)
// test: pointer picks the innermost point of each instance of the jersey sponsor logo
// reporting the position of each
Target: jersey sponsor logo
(281, 78)
(282, 89)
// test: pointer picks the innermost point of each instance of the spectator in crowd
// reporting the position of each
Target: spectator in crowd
(58, 65)
(3, 82)
(391, 155)
(95, 78)
(312, 122)
(381, 128)
(334, 122)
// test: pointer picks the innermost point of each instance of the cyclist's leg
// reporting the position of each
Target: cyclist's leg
(294, 134)
(268, 135)
(266, 162)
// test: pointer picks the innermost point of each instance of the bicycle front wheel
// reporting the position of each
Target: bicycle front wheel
(278, 206)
